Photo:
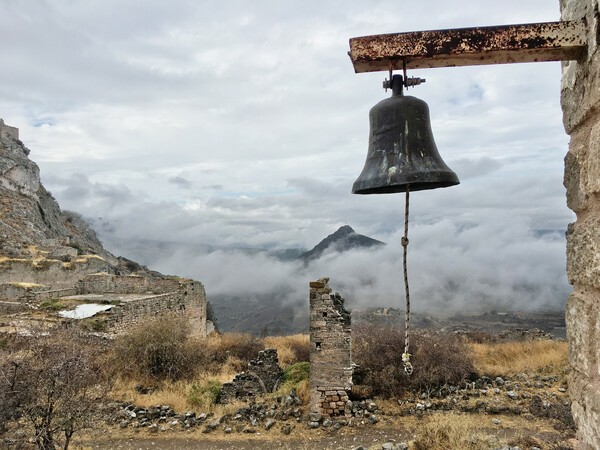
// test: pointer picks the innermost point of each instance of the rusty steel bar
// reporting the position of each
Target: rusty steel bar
(550, 41)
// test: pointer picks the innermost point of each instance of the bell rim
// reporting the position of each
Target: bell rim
(397, 188)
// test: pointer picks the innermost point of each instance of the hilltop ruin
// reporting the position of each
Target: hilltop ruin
(51, 261)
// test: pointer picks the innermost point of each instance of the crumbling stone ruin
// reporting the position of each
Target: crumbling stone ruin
(129, 300)
(580, 98)
(263, 377)
(49, 255)
(330, 351)
(8, 132)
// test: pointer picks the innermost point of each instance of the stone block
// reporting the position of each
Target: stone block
(580, 91)
(576, 169)
(592, 180)
(585, 396)
(583, 252)
(583, 332)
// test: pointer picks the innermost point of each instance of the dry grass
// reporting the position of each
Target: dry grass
(287, 347)
(476, 431)
(515, 357)
(303, 392)
(172, 394)
(449, 431)
(26, 285)
(86, 258)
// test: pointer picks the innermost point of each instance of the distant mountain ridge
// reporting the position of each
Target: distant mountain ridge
(344, 239)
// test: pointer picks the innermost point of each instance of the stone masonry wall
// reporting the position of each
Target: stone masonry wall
(8, 132)
(127, 284)
(580, 98)
(330, 351)
(172, 294)
(262, 377)
(50, 272)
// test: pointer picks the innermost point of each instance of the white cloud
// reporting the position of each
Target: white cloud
(238, 124)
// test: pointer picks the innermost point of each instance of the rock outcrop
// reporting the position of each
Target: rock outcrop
(46, 252)
(29, 215)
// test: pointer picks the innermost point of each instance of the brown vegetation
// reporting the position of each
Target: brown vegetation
(437, 360)
(158, 363)
(52, 382)
(514, 357)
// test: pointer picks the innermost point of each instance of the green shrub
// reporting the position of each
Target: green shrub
(297, 372)
(52, 304)
(203, 395)
(293, 376)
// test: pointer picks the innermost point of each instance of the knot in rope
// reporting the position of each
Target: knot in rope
(408, 368)
(404, 241)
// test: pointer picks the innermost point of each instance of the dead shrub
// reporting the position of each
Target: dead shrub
(437, 359)
(158, 349)
(238, 346)
(52, 381)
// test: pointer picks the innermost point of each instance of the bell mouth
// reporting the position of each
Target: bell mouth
(364, 189)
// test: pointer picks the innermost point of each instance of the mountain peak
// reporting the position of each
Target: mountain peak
(343, 231)
(345, 238)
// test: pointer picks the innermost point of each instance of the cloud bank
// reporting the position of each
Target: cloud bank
(178, 128)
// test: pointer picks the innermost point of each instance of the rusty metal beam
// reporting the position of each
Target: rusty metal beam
(550, 41)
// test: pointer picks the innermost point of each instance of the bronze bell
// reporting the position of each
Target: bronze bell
(402, 151)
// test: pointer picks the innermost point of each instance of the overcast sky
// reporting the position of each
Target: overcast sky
(243, 124)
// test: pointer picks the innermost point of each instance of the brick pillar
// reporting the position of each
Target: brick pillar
(580, 98)
(330, 351)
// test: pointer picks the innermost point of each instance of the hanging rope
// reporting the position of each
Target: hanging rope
(408, 369)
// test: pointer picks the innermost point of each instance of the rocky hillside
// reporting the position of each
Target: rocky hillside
(32, 224)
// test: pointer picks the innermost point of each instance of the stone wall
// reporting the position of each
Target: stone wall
(263, 377)
(12, 307)
(127, 284)
(580, 98)
(330, 351)
(51, 272)
(8, 132)
(178, 295)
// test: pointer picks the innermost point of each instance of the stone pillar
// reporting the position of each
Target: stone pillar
(330, 351)
(580, 98)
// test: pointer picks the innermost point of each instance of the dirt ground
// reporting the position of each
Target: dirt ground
(340, 440)
(514, 430)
